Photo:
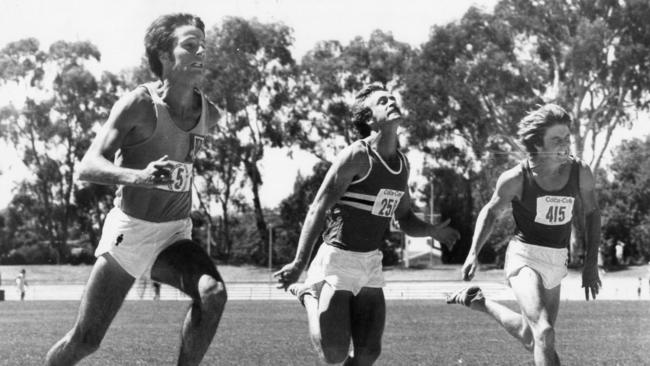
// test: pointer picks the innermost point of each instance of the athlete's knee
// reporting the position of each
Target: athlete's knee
(527, 338)
(212, 293)
(367, 355)
(333, 354)
(329, 351)
(544, 335)
(83, 342)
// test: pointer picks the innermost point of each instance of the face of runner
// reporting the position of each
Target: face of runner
(557, 143)
(384, 107)
(188, 53)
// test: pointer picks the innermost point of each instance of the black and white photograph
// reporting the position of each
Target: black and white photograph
(303, 182)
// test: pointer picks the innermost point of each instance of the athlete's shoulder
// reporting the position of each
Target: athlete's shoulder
(585, 175)
(511, 180)
(514, 175)
(354, 157)
(356, 150)
(136, 102)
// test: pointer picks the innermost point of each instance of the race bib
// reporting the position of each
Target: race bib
(554, 210)
(386, 202)
(181, 178)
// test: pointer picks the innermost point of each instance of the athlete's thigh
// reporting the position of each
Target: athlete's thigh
(551, 298)
(368, 318)
(530, 294)
(334, 316)
(182, 265)
(103, 296)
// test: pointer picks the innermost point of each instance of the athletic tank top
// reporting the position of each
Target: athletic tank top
(358, 221)
(543, 217)
(171, 201)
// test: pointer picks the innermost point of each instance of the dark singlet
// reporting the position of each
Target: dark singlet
(544, 217)
(361, 217)
(170, 201)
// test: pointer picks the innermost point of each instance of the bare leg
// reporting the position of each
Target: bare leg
(514, 323)
(105, 291)
(187, 267)
(539, 307)
(329, 323)
(368, 320)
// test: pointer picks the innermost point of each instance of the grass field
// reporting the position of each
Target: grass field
(275, 333)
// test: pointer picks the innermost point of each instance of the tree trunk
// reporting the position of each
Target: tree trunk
(262, 229)
(226, 230)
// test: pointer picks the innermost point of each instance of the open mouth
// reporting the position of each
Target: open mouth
(198, 65)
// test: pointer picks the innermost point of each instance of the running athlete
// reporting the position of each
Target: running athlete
(362, 191)
(154, 133)
(547, 191)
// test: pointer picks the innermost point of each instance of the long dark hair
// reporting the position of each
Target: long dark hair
(533, 127)
(159, 37)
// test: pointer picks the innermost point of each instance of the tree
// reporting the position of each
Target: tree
(465, 92)
(594, 55)
(331, 74)
(53, 128)
(625, 200)
(293, 211)
(474, 79)
(219, 167)
(249, 74)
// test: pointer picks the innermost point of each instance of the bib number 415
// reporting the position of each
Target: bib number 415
(554, 210)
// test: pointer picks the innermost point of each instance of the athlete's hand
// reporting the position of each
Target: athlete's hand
(469, 267)
(288, 275)
(445, 234)
(157, 172)
(591, 281)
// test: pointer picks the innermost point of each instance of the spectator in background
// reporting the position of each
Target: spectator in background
(620, 247)
(156, 290)
(21, 284)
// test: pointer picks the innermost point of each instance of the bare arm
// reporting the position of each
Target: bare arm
(507, 189)
(352, 162)
(125, 123)
(591, 216)
(413, 226)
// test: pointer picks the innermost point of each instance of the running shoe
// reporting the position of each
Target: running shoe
(466, 296)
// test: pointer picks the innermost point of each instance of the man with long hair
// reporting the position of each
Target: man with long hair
(544, 191)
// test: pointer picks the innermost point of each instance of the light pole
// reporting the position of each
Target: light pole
(209, 235)
(270, 253)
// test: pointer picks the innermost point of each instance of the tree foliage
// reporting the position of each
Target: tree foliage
(53, 128)
(249, 75)
(330, 75)
(595, 57)
(625, 200)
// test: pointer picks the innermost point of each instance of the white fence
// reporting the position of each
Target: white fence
(613, 289)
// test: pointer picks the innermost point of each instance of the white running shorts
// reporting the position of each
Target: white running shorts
(135, 244)
(549, 263)
(344, 270)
